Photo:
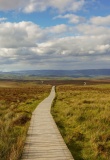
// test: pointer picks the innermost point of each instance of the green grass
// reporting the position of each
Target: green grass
(17, 103)
(82, 114)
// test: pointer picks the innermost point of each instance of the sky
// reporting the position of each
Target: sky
(54, 34)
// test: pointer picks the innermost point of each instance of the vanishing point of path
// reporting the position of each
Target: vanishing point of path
(44, 141)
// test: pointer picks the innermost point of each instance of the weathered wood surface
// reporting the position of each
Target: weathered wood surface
(44, 141)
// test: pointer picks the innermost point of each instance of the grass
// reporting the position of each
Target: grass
(82, 114)
(17, 101)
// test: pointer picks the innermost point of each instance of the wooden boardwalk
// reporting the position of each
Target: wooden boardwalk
(44, 141)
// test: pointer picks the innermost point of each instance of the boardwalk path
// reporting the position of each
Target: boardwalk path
(44, 141)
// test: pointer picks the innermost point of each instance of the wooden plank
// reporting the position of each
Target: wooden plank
(44, 141)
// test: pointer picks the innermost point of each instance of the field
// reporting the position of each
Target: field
(17, 101)
(82, 114)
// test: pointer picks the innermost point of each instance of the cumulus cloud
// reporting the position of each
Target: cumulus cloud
(21, 42)
(68, 5)
(77, 46)
(28, 44)
(22, 34)
(103, 48)
(90, 29)
(57, 29)
(29, 6)
(72, 18)
(27, 34)
(101, 21)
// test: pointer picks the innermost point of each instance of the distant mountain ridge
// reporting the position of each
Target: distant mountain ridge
(58, 73)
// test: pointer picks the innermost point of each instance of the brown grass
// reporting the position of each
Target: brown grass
(17, 101)
(82, 115)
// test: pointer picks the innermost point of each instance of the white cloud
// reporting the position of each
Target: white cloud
(29, 6)
(22, 34)
(27, 43)
(27, 34)
(67, 5)
(74, 46)
(101, 21)
(3, 19)
(58, 29)
(103, 48)
(72, 18)
(90, 29)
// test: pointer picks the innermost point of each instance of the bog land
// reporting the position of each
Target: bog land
(82, 114)
(80, 111)
(17, 101)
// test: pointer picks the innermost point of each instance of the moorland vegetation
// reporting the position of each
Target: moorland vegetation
(82, 114)
(17, 102)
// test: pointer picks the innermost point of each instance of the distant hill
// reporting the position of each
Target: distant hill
(89, 73)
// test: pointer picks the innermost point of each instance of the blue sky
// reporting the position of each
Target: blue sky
(46, 34)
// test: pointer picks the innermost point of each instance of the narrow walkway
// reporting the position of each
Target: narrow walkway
(44, 141)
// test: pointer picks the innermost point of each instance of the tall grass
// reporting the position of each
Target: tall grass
(83, 117)
(16, 106)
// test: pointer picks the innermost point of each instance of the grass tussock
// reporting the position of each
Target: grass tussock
(16, 106)
(83, 117)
